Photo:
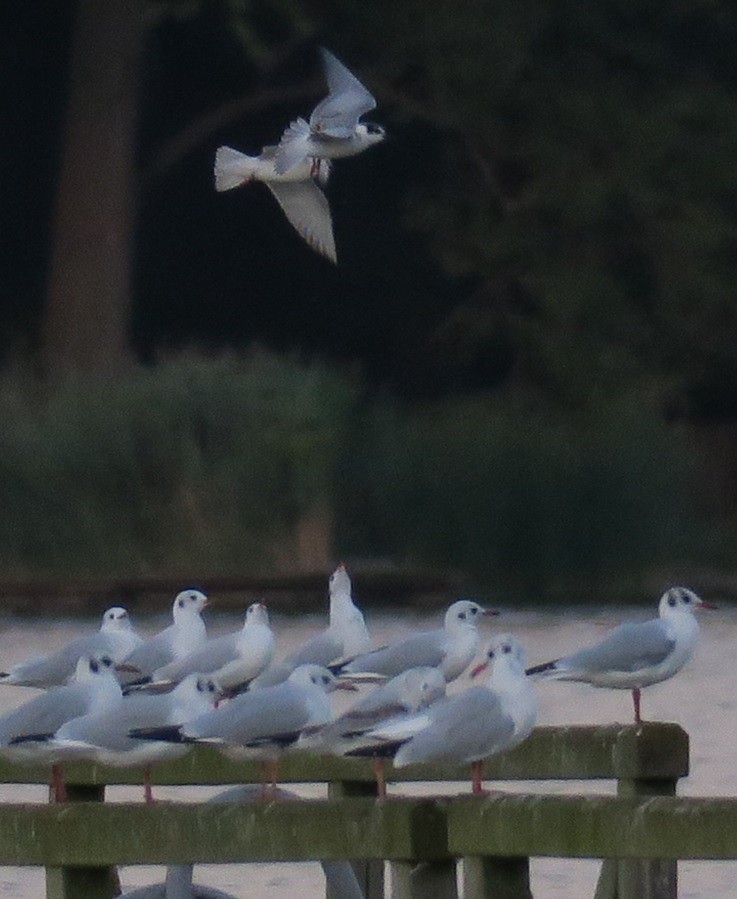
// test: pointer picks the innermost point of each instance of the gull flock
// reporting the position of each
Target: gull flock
(115, 698)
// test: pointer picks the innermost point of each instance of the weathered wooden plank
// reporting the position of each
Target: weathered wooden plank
(655, 750)
(593, 827)
(92, 834)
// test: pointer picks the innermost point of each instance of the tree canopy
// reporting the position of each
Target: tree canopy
(555, 210)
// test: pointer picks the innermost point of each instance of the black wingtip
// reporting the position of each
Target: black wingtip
(283, 741)
(171, 733)
(539, 669)
(139, 682)
(30, 738)
(381, 751)
(339, 667)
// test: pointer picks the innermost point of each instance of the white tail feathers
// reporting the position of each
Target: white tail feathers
(233, 168)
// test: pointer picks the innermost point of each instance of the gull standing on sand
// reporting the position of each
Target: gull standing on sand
(260, 724)
(299, 191)
(636, 654)
(231, 659)
(102, 734)
(451, 647)
(346, 635)
(334, 129)
(93, 688)
(186, 634)
(468, 727)
(116, 639)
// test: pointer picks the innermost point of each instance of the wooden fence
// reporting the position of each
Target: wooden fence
(640, 832)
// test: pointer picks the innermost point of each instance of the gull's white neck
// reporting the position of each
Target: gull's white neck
(682, 626)
(347, 623)
(516, 693)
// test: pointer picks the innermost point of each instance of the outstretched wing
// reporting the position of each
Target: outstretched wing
(307, 209)
(347, 100)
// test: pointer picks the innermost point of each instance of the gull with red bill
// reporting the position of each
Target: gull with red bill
(468, 727)
(636, 654)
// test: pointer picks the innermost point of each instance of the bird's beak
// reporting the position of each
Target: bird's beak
(489, 613)
(705, 604)
(346, 685)
(477, 669)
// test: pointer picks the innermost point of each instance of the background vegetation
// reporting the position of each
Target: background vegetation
(213, 466)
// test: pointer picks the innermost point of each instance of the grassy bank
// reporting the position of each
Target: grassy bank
(234, 465)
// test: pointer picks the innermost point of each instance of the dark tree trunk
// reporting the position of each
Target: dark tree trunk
(85, 325)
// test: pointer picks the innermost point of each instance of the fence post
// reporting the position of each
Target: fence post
(89, 882)
(655, 878)
(652, 757)
(488, 877)
(369, 873)
(426, 880)
(429, 871)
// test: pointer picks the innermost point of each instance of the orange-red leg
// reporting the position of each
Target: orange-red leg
(60, 789)
(148, 793)
(380, 778)
(269, 775)
(477, 778)
(636, 703)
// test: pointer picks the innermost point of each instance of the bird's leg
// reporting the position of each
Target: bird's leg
(264, 780)
(315, 167)
(148, 793)
(477, 778)
(380, 778)
(636, 703)
(269, 772)
(60, 790)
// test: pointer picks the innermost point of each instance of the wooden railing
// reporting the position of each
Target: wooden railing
(640, 832)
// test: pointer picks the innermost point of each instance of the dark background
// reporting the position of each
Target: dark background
(548, 238)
